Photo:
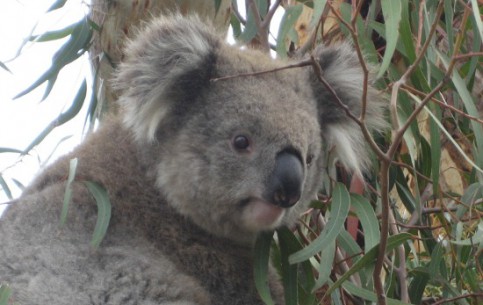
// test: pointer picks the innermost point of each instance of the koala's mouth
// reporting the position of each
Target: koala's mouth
(258, 214)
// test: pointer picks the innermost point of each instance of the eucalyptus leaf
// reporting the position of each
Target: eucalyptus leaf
(339, 211)
(289, 18)
(369, 258)
(68, 190)
(5, 293)
(103, 212)
(261, 259)
(392, 16)
(62, 118)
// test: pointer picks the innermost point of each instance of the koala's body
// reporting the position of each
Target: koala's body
(195, 167)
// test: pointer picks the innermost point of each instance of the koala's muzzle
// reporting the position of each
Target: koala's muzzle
(285, 183)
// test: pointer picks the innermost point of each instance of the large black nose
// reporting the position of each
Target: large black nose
(285, 184)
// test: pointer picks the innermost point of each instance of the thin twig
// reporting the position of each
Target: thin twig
(262, 32)
(442, 104)
(271, 12)
(463, 296)
(303, 63)
(237, 14)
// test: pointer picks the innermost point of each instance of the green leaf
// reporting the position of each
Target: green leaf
(288, 244)
(325, 266)
(54, 35)
(319, 7)
(57, 4)
(476, 15)
(418, 284)
(392, 16)
(339, 210)
(367, 294)
(452, 140)
(365, 41)
(5, 293)
(68, 191)
(75, 46)
(235, 25)
(370, 225)
(103, 212)
(5, 187)
(261, 258)
(4, 67)
(10, 150)
(63, 118)
(289, 18)
(469, 103)
(369, 258)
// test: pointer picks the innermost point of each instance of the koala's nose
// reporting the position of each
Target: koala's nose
(285, 184)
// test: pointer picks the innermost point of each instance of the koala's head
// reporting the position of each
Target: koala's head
(238, 155)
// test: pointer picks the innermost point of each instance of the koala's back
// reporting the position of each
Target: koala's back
(150, 254)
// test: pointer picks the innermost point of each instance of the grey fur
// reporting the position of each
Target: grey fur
(187, 205)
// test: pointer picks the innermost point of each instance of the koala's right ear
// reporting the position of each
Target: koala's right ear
(165, 67)
(342, 71)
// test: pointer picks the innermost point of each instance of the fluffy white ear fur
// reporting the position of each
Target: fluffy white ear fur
(174, 46)
(341, 69)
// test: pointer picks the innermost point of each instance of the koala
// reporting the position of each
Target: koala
(205, 154)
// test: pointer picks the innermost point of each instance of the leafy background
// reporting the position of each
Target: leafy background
(414, 234)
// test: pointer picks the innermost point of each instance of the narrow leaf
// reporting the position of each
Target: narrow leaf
(339, 210)
(469, 103)
(367, 294)
(319, 7)
(57, 4)
(4, 67)
(5, 187)
(63, 118)
(291, 15)
(103, 212)
(288, 244)
(369, 258)
(10, 150)
(68, 191)
(368, 219)
(54, 35)
(392, 16)
(325, 266)
(476, 15)
(5, 293)
(261, 258)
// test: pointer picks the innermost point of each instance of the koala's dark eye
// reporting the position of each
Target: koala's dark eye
(241, 142)
(309, 159)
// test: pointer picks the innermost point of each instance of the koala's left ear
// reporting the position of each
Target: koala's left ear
(166, 66)
(342, 70)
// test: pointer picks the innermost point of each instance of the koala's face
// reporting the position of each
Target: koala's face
(237, 155)
(242, 159)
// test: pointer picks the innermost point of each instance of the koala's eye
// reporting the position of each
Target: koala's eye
(309, 159)
(241, 142)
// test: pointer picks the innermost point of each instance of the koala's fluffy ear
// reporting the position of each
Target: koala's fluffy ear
(342, 70)
(165, 67)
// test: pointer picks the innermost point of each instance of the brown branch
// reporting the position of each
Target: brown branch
(262, 32)
(422, 4)
(463, 296)
(442, 104)
(303, 63)
(268, 17)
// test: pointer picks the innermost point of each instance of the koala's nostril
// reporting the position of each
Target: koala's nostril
(285, 185)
